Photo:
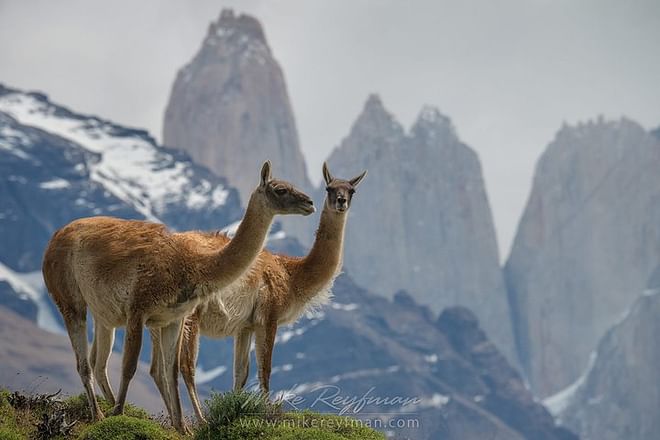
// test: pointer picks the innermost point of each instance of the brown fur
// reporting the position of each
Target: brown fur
(137, 273)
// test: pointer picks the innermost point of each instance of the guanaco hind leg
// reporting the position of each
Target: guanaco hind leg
(132, 345)
(188, 362)
(76, 325)
(104, 338)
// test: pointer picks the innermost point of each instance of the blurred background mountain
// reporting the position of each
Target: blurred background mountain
(558, 343)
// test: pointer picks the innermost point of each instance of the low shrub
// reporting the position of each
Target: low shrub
(125, 428)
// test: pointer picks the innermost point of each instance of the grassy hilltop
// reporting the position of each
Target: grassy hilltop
(231, 416)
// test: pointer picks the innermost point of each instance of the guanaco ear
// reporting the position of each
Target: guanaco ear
(266, 173)
(326, 174)
(355, 181)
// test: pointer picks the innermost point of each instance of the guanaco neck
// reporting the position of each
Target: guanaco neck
(233, 260)
(322, 264)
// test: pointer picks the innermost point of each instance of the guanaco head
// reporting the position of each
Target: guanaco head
(281, 197)
(340, 192)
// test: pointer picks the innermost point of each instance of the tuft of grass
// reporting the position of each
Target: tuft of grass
(9, 434)
(243, 415)
(224, 409)
(126, 428)
(78, 409)
(15, 423)
(9, 429)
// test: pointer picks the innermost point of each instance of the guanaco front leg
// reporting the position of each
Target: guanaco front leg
(264, 342)
(189, 352)
(242, 357)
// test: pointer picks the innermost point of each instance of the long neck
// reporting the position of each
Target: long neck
(228, 264)
(324, 260)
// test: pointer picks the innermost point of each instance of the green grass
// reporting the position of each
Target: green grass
(44, 417)
(78, 409)
(231, 416)
(11, 420)
(126, 428)
(242, 415)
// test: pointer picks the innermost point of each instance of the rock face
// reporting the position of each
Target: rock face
(587, 242)
(57, 165)
(229, 107)
(421, 220)
(619, 397)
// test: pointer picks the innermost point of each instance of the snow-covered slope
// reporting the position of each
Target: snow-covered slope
(131, 166)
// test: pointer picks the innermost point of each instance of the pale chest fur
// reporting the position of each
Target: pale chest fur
(229, 309)
(296, 310)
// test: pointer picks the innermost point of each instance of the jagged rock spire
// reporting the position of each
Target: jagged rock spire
(229, 107)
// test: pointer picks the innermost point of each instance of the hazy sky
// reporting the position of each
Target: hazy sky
(507, 72)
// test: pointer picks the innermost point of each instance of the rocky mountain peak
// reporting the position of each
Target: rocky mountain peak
(229, 107)
(376, 120)
(587, 242)
(431, 124)
(425, 201)
(239, 30)
(583, 135)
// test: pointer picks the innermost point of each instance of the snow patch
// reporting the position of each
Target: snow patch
(438, 400)
(30, 285)
(285, 336)
(11, 139)
(560, 401)
(231, 229)
(283, 368)
(219, 196)
(55, 184)
(202, 376)
(651, 292)
(6, 146)
(431, 359)
(345, 307)
(279, 235)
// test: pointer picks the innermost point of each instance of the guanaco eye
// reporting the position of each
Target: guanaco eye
(280, 191)
(351, 191)
(327, 188)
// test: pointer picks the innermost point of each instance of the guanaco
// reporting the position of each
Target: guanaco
(276, 291)
(136, 273)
